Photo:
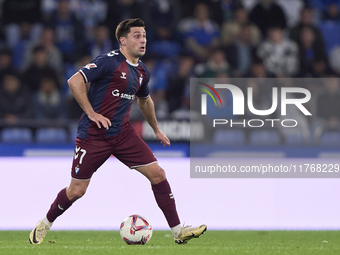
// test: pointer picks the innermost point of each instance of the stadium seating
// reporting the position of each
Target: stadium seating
(295, 137)
(229, 137)
(330, 31)
(51, 135)
(16, 135)
(73, 131)
(330, 138)
(264, 138)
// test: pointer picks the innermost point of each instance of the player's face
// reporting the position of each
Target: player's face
(136, 41)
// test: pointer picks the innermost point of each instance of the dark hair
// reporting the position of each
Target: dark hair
(257, 61)
(6, 51)
(274, 27)
(12, 73)
(307, 8)
(102, 24)
(124, 27)
(46, 77)
(38, 48)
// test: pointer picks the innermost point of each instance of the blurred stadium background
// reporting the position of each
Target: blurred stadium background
(44, 42)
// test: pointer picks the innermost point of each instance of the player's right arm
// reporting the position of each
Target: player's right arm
(78, 88)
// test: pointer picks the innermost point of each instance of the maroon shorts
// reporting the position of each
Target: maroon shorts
(128, 147)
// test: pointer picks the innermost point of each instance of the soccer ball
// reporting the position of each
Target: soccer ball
(135, 229)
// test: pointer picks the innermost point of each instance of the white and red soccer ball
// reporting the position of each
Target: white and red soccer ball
(136, 229)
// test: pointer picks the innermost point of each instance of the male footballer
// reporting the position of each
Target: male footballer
(115, 78)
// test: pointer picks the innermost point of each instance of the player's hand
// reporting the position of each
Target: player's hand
(100, 120)
(162, 137)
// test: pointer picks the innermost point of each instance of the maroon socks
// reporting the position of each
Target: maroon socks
(59, 206)
(163, 196)
(166, 202)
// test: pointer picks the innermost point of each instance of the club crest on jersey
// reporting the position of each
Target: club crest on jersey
(77, 169)
(123, 75)
(91, 65)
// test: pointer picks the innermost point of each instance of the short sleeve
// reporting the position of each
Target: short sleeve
(96, 69)
(144, 91)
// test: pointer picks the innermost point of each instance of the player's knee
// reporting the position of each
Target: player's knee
(79, 193)
(76, 193)
(158, 176)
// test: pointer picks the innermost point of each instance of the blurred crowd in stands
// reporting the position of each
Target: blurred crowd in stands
(44, 42)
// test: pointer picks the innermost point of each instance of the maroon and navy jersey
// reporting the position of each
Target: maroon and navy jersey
(114, 84)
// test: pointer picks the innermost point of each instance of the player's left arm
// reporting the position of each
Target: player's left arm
(148, 109)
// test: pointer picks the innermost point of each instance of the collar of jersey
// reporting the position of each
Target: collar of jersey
(131, 63)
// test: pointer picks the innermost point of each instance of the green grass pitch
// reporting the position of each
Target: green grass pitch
(212, 242)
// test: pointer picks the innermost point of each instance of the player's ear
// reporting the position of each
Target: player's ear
(122, 41)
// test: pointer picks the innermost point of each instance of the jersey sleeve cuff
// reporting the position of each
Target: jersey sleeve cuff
(144, 97)
(84, 76)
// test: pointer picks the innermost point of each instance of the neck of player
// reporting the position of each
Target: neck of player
(128, 56)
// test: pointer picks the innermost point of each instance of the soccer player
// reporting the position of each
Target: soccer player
(104, 129)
